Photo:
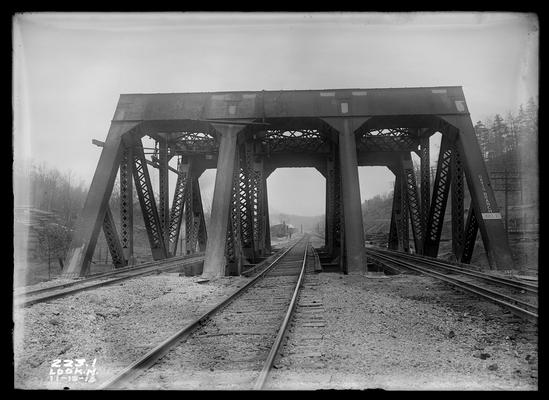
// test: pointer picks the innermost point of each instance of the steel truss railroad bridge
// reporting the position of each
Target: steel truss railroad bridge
(247, 135)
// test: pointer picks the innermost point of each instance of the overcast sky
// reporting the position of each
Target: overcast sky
(69, 70)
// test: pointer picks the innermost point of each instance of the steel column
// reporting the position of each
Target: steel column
(425, 160)
(246, 202)
(441, 188)
(483, 199)
(471, 229)
(199, 210)
(194, 217)
(91, 219)
(412, 197)
(394, 227)
(333, 228)
(233, 249)
(145, 194)
(191, 223)
(256, 198)
(329, 224)
(178, 203)
(457, 193)
(164, 190)
(214, 264)
(354, 230)
(113, 242)
(404, 230)
(266, 219)
(126, 204)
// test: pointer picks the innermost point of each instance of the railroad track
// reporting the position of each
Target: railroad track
(234, 344)
(519, 297)
(29, 297)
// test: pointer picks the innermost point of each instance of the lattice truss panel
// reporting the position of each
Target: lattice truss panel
(233, 251)
(390, 139)
(115, 248)
(295, 141)
(194, 218)
(145, 194)
(471, 230)
(338, 207)
(195, 142)
(180, 195)
(256, 202)
(439, 199)
(244, 204)
(458, 209)
(126, 203)
(191, 223)
(395, 218)
(413, 203)
(425, 180)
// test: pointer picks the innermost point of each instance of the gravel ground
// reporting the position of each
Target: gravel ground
(114, 324)
(398, 332)
(410, 332)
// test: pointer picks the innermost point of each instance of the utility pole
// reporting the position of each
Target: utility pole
(506, 188)
(506, 181)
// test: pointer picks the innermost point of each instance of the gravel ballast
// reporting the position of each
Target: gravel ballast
(408, 332)
(114, 324)
(390, 332)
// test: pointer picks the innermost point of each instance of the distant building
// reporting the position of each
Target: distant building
(282, 230)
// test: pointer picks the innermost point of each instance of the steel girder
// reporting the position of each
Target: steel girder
(387, 140)
(145, 194)
(126, 204)
(113, 241)
(93, 214)
(294, 141)
(457, 203)
(441, 188)
(178, 203)
(471, 229)
(412, 200)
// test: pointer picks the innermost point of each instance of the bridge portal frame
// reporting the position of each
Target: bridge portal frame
(214, 125)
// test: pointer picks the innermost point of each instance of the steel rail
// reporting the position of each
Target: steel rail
(262, 264)
(260, 382)
(63, 293)
(118, 271)
(529, 311)
(533, 288)
(153, 355)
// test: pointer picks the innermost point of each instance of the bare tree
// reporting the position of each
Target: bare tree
(53, 241)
